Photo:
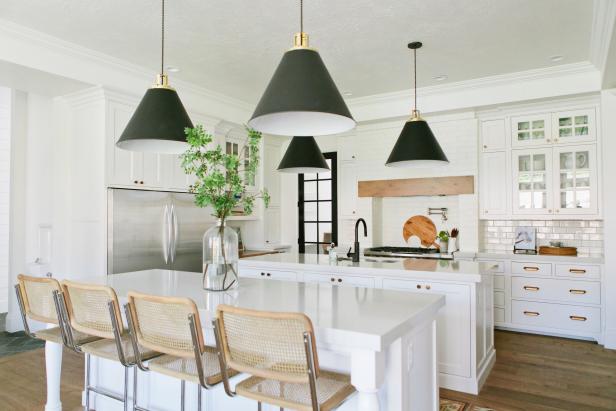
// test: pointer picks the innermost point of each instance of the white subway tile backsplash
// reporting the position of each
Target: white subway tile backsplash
(587, 236)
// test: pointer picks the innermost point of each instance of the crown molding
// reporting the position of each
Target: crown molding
(137, 75)
(603, 19)
(549, 82)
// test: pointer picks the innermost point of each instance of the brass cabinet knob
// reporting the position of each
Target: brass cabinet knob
(340, 280)
(136, 181)
(428, 287)
(333, 279)
(141, 182)
(418, 286)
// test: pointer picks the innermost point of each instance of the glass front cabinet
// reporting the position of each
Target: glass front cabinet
(577, 126)
(555, 181)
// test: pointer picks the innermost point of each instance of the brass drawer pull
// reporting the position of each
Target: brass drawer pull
(577, 271)
(577, 291)
(577, 318)
(531, 268)
(531, 288)
(531, 313)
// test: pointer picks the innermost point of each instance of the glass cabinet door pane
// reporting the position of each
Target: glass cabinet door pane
(540, 200)
(582, 179)
(566, 180)
(581, 160)
(523, 125)
(567, 199)
(524, 163)
(566, 161)
(539, 181)
(525, 201)
(582, 198)
(539, 162)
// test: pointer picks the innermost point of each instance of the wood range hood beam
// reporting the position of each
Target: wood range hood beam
(407, 187)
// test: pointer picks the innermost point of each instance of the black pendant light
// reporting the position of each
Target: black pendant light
(303, 156)
(160, 118)
(301, 98)
(416, 145)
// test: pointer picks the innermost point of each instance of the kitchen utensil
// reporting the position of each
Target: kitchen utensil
(422, 227)
(557, 250)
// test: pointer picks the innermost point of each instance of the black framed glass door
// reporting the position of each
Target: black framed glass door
(318, 209)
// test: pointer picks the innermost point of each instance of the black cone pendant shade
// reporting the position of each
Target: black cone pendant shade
(303, 156)
(416, 145)
(301, 99)
(160, 118)
(158, 124)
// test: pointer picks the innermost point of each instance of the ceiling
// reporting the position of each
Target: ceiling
(233, 46)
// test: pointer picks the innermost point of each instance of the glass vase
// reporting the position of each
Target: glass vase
(220, 258)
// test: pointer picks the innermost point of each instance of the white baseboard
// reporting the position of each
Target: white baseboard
(609, 339)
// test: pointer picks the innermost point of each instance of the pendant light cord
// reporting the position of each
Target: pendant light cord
(301, 16)
(415, 76)
(162, 39)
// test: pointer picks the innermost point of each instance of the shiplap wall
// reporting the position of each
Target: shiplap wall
(5, 168)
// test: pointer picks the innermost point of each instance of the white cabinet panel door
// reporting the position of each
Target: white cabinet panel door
(348, 190)
(272, 226)
(531, 130)
(532, 181)
(453, 323)
(576, 126)
(493, 135)
(575, 177)
(493, 184)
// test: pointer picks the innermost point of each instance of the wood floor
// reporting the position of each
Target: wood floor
(532, 373)
(538, 373)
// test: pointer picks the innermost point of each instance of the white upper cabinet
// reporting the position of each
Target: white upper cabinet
(493, 135)
(574, 126)
(347, 173)
(493, 175)
(576, 176)
(532, 181)
(271, 176)
(531, 130)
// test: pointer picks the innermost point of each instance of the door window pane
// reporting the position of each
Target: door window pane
(310, 190)
(325, 190)
(310, 211)
(325, 210)
(310, 232)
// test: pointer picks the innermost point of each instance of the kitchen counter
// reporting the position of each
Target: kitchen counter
(374, 335)
(538, 257)
(467, 271)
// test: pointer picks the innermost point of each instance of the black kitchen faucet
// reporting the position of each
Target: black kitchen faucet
(356, 253)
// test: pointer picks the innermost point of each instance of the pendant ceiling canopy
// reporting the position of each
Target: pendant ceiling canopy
(158, 123)
(301, 99)
(416, 145)
(303, 156)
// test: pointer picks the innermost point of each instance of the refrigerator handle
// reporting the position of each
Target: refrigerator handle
(174, 242)
(166, 233)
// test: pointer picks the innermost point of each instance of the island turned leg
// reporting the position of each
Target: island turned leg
(367, 374)
(53, 369)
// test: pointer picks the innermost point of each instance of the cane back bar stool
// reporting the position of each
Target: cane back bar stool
(278, 350)
(94, 310)
(171, 325)
(35, 298)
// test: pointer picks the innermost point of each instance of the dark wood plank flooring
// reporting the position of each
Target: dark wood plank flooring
(531, 373)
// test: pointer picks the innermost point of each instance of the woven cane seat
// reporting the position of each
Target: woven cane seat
(107, 348)
(54, 335)
(332, 389)
(185, 368)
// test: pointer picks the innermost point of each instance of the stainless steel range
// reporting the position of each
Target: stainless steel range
(407, 252)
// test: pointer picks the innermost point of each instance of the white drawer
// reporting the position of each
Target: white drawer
(499, 315)
(499, 282)
(271, 274)
(335, 279)
(578, 271)
(518, 267)
(566, 291)
(557, 316)
(499, 298)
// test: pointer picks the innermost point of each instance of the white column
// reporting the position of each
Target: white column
(53, 368)
(367, 374)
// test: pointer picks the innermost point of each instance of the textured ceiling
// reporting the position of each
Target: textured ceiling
(233, 46)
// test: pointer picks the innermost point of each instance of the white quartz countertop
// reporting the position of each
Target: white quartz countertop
(357, 318)
(449, 270)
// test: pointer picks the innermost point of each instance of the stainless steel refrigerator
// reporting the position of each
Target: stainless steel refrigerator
(154, 229)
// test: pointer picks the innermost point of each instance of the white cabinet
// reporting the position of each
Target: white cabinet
(272, 226)
(348, 148)
(575, 173)
(337, 279)
(493, 176)
(576, 126)
(531, 130)
(532, 181)
(271, 179)
(453, 323)
(348, 190)
(493, 135)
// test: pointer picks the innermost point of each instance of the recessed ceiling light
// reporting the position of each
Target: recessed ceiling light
(557, 58)
(172, 69)
(442, 77)
(347, 93)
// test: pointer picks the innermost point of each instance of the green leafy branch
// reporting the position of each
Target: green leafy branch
(219, 181)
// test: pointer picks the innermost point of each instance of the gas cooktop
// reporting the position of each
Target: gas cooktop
(407, 252)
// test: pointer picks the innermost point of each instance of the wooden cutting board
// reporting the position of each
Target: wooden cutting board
(422, 227)
(545, 250)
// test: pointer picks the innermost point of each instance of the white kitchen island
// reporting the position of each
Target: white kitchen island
(465, 331)
(385, 339)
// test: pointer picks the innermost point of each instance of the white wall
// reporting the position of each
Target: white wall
(608, 108)
(5, 168)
